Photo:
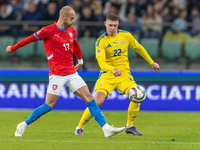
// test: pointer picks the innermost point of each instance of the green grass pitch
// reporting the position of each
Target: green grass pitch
(54, 131)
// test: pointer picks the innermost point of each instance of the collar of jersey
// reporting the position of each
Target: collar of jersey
(107, 33)
(61, 28)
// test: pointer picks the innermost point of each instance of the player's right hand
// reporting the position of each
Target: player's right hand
(116, 72)
(78, 66)
(8, 49)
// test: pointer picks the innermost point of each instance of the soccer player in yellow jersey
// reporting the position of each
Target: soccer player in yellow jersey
(112, 57)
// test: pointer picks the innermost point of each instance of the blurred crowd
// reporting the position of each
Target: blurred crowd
(143, 18)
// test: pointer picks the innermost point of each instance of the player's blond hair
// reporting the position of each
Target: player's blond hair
(112, 17)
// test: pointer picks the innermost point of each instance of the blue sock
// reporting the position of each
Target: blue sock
(37, 113)
(96, 113)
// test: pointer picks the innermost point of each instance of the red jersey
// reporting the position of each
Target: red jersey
(58, 44)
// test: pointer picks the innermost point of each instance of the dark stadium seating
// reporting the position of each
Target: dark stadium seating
(4, 42)
(151, 45)
(131, 53)
(171, 49)
(27, 51)
(192, 49)
(40, 50)
(87, 47)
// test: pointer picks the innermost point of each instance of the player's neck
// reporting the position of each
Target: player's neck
(112, 34)
(61, 25)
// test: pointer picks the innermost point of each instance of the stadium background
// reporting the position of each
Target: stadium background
(170, 35)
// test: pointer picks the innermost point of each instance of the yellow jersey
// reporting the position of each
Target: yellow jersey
(112, 51)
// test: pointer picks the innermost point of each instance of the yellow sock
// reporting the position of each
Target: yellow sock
(133, 110)
(85, 118)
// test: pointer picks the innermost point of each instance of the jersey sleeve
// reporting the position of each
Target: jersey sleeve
(139, 49)
(23, 42)
(41, 34)
(77, 50)
(101, 56)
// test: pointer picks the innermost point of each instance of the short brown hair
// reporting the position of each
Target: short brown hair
(112, 17)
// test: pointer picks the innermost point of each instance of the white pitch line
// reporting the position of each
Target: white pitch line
(57, 141)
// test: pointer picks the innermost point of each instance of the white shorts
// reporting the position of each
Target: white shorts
(73, 82)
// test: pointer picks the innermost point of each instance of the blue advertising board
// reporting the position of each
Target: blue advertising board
(166, 91)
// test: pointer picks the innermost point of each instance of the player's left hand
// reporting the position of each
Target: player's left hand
(116, 72)
(8, 49)
(78, 66)
(156, 67)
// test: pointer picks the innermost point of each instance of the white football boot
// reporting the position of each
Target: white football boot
(20, 129)
(112, 131)
(78, 131)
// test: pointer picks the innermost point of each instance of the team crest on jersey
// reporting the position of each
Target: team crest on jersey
(100, 83)
(122, 41)
(70, 35)
(54, 87)
(98, 51)
(115, 43)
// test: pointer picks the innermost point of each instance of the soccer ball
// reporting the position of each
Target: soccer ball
(137, 94)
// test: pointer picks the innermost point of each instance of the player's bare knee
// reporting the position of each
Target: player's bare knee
(51, 99)
(99, 103)
(88, 97)
(50, 103)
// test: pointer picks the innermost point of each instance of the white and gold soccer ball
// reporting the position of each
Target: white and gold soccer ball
(137, 94)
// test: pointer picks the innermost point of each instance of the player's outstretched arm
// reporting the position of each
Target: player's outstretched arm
(21, 43)
(155, 67)
(8, 49)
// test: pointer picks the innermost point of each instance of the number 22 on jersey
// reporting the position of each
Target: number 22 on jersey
(117, 52)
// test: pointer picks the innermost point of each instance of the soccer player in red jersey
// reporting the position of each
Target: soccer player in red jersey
(60, 43)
